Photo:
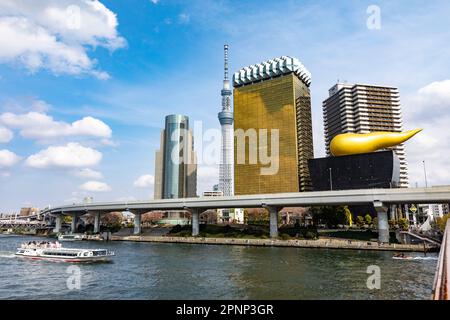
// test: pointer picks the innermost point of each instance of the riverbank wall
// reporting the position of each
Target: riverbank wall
(320, 243)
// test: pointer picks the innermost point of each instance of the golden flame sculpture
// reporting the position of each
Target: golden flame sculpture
(354, 143)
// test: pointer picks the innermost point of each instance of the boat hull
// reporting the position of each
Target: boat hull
(65, 259)
(71, 255)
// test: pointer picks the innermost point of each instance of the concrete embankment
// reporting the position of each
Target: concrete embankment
(321, 243)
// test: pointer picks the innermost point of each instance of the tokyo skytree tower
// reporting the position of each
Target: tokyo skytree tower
(226, 169)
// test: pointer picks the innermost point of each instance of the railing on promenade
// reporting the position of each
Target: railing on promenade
(442, 277)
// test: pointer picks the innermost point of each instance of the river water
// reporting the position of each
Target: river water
(183, 271)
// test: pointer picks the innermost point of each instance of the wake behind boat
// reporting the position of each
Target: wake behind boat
(402, 256)
(53, 251)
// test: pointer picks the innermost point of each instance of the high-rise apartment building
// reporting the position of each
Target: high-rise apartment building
(176, 161)
(360, 108)
(274, 95)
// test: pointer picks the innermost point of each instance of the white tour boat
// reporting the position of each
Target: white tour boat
(55, 252)
(70, 237)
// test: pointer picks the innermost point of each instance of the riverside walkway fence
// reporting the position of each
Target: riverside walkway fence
(442, 279)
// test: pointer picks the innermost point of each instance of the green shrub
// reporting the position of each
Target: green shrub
(360, 221)
(442, 222)
(285, 236)
(310, 235)
(176, 229)
(113, 228)
(403, 224)
(375, 222)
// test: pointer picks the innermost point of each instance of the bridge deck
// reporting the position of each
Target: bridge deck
(319, 198)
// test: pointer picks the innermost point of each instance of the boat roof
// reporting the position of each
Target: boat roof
(70, 249)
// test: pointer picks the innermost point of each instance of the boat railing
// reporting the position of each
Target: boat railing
(51, 245)
(442, 277)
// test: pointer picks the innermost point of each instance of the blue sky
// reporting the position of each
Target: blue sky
(130, 63)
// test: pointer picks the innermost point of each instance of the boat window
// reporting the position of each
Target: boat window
(99, 253)
(63, 254)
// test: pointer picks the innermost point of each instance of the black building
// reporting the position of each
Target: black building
(359, 171)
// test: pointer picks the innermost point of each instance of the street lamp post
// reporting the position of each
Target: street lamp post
(425, 174)
(331, 180)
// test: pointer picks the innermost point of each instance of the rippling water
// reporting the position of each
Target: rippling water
(179, 271)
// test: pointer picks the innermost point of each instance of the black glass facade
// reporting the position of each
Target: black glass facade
(359, 171)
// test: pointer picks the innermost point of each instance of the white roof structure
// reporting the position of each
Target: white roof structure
(271, 68)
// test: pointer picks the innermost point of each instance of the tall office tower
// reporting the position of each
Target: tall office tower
(274, 95)
(176, 161)
(226, 184)
(359, 108)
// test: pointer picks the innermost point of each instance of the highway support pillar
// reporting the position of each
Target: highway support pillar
(273, 216)
(58, 222)
(383, 224)
(195, 214)
(73, 226)
(137, 223)
(96, 222)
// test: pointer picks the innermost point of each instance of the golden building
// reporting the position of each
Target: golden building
(273, 95)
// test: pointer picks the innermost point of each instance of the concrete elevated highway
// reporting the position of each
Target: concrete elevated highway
(381, 199)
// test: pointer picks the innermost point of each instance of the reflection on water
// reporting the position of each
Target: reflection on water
(182, 271)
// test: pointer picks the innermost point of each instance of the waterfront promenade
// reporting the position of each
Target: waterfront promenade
(320, 243)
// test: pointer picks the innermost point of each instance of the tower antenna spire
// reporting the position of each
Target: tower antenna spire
(225, 62)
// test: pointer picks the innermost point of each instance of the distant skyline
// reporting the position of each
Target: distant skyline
(83, 97)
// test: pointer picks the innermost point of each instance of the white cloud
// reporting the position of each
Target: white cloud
(184, 18)
(56, 34)
(109, 142)
(144, 181)
(8, 158)
(435, 95)
(88, 173)
(5, 174)
(428, 109)
(25, 104)
(72, 155)
(438, 88)
(37, 125)
(154, 1)
(40, 106)
(6, 135)
(95, 186)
